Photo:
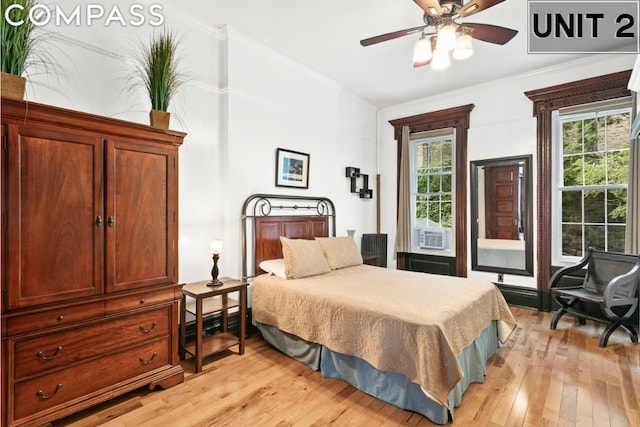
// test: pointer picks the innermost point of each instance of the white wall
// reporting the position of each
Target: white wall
(276, 103)
(502, 124)
(242, 101)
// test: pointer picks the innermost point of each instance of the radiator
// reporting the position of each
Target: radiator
(375, 245)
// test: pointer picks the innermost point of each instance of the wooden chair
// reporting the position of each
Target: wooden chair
(611, 283)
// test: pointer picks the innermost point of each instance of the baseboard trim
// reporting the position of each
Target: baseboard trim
(521, 296)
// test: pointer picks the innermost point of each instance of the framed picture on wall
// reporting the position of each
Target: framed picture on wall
(292, 169)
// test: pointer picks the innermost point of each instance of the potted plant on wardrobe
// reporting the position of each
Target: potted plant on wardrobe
(18, 43)
(28, 49)
(157, 69)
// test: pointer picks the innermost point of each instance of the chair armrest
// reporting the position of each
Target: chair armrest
(555, 279)
(609, 293)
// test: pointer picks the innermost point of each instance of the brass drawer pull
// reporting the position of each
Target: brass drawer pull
(146, 331)
(53, 356)
(41, 395)
(150, 360)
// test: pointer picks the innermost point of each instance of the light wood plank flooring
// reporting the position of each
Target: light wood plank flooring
(538, 378)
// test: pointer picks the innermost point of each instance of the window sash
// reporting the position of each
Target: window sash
(424, 197)
(585, 227)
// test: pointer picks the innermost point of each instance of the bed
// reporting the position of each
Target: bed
(502, 253)
(411, 339)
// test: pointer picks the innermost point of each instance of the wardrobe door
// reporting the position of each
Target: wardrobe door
(141, 215)
(54, 216)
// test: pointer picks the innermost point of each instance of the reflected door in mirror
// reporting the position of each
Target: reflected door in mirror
(502, 205)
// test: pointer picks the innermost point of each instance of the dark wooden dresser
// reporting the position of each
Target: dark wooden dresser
(89, 257)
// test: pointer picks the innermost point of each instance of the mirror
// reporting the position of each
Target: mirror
(501, 216)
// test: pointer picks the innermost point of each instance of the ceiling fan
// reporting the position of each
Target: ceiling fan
(434, 47)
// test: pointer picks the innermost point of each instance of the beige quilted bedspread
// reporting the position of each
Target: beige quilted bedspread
(407, 322)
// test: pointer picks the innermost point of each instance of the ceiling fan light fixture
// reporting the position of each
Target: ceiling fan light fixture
(422, 50)
(464, 47)
(440, 59)
(447, 38)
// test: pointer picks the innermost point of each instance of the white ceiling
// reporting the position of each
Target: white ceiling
(324, 35)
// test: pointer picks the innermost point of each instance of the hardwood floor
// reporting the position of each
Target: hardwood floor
(539, 377)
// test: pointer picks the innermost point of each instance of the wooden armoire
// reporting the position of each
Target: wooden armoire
(88, 260)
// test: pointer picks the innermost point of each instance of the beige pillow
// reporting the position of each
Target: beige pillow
(303, 258)
(340, 251)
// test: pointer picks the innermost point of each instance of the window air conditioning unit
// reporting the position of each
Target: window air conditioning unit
(432, 238)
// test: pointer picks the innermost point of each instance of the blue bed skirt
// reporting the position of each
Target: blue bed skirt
(390, 387)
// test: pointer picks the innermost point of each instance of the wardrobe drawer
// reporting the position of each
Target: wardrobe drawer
(55, 317)
(81, 381)
(38, 355)
(140, 300)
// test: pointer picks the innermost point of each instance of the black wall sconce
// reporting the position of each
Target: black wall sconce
(354, 173)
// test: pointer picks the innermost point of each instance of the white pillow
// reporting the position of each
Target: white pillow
(274, 266)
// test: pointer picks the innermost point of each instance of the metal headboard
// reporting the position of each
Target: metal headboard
(275, 205)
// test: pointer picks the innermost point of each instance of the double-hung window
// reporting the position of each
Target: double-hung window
(432, 190)
(592, 153)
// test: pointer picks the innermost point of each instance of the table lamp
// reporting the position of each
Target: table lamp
(216, 249)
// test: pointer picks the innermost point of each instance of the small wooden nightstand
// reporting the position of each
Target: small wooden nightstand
(205, 304)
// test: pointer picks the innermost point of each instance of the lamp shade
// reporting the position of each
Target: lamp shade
(440, 59)
(464, 48)
(216, 246)
(446, 38)
(422, 51)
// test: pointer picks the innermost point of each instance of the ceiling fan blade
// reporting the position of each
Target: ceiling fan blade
(391, 36)
(475, 6)
(488, 33)
(430, 7)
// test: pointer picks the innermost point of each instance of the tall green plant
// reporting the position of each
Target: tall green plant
(17, 41)
(157, 67)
